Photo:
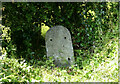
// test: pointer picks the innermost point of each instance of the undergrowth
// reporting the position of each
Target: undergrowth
(101, 67)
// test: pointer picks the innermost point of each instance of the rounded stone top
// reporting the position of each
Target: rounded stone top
(57, 26)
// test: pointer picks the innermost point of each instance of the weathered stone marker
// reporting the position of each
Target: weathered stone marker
(59, 46)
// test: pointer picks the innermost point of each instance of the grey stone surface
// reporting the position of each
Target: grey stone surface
(59, 46)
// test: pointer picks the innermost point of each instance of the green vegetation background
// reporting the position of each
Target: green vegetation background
(94, 31)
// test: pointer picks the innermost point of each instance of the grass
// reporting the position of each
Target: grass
(101, 67)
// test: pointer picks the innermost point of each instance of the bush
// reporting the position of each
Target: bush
(90, 24)
(94, 69)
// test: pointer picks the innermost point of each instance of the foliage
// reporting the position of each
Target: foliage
(94, 69)
(94, 30)
(88, 23)
(44, 29)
